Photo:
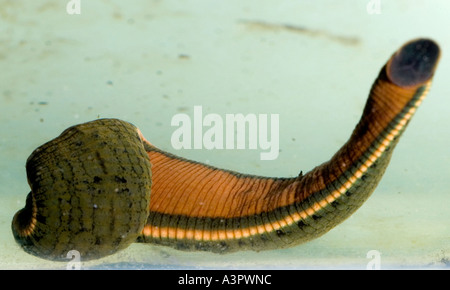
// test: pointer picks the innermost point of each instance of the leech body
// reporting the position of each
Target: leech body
(224, 211)
(193, 206)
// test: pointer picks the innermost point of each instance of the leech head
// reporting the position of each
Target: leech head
(90, 192)
(414, 63)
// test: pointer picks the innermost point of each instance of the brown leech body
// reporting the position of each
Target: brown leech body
(198, 207)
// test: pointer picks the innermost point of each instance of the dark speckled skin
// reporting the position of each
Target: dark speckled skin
(90, 188)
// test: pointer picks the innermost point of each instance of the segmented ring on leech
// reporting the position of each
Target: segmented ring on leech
(90, 192)
(90, 187)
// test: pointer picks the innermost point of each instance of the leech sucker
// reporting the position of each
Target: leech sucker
(100, 185)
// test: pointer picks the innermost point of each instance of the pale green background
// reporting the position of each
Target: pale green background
(145, 61)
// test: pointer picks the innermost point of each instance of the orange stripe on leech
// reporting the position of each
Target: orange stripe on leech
(214, 235)
(206, 235)
(147, 230)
